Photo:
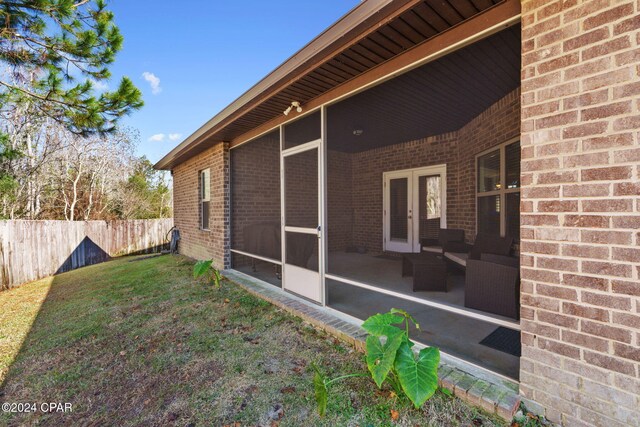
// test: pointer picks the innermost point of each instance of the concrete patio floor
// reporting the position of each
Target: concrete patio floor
(455, 334)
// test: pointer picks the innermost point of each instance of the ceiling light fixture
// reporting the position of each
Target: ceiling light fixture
(294, 104)
(358, 132)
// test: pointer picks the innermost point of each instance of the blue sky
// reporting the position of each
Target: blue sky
(204, 54)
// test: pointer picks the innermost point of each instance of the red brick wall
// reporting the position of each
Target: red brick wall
(195, 242)
(581, 210)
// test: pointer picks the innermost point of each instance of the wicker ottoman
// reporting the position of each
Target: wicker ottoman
(429, 271)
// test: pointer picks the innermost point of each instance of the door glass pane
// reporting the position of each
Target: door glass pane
(301, 131)
(513, 216)
(302, 250)
(489, 172)
(301, 189)
(429, 196)
(398, 213)
(512, 159)
(489, 214)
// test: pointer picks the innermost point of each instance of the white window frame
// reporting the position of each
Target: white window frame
(204, 195)
(503, 190)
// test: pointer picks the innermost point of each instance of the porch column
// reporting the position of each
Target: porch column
(581, 211)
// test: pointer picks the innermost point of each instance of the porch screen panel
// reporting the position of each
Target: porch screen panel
(302, 250)
(255, 198)
(468, 338)
(512, 204)
(301, 189)
(512, 163)
(513, 216)
(398, 212)
(260, 269)
(301, 131)
(489, 214)
(498, 191)
(489, 172)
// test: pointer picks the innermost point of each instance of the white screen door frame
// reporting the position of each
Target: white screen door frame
(296, 279)
(411, 242)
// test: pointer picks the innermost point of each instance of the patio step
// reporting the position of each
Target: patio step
(476, 386)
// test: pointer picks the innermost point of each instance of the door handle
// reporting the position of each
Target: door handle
(318, 229)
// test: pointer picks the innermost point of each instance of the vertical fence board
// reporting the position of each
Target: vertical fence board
(31, 250)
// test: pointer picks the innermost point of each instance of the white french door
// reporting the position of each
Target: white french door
(414, 206)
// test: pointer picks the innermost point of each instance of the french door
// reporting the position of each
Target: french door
(301, 231)
(414, 207)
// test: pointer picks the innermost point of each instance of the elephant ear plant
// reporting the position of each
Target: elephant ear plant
(206, 267)
(390, 357)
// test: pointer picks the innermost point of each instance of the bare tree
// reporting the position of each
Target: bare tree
(87, 172)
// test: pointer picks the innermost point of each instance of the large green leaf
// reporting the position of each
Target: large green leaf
(380, 358)
(320, 387)
(382, 324)
(201, 268)
(406, 315)
(418, 377)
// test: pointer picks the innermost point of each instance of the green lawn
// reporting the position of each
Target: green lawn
(138, 341)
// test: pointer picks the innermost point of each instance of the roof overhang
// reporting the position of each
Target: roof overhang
(316, 74)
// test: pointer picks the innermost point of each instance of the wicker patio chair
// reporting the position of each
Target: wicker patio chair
(460, 252)
(492, 284)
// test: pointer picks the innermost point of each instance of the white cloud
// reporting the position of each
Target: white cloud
(175, 136)
(154, 82)
(158, 137)
(99, 85)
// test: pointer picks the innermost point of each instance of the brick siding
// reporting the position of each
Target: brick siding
(581, 210)
(195, 242)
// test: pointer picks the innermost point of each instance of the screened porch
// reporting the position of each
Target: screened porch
(331, 205)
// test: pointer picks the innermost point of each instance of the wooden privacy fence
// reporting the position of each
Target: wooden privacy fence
(31, 250)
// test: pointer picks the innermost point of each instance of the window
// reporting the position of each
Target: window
(432, 195)
(498, 190)
(205, 197)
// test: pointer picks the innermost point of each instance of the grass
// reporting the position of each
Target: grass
(138, 341)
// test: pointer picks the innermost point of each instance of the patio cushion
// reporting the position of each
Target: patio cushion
(457, 257)
(434, 249)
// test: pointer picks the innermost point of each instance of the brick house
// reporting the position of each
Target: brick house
(513, 119)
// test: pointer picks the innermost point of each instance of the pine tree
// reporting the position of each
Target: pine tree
(46, 44)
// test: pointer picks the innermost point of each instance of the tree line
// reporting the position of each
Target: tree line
(63, 153)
